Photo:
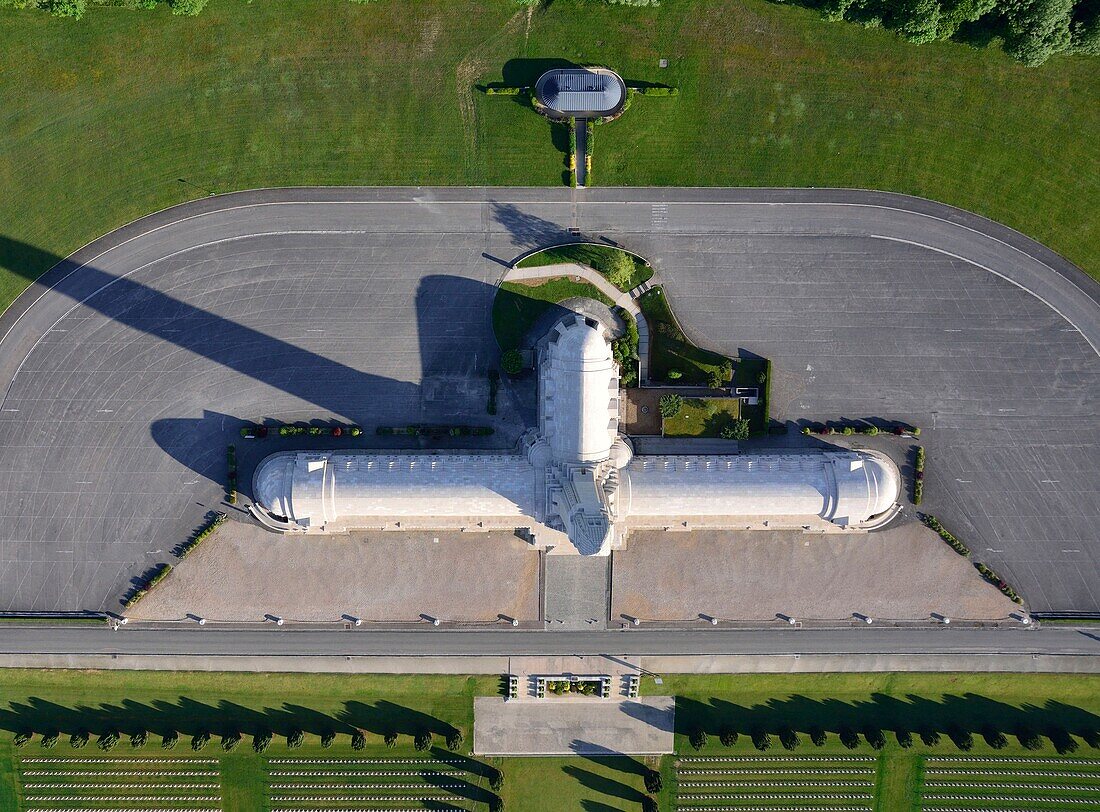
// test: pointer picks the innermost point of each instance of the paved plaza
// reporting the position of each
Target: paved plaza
(122, 383)
(570, 726)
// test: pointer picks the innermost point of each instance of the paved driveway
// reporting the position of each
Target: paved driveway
(123, 382)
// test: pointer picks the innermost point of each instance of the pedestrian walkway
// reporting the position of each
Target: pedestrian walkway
(580, 126)
(575, 591)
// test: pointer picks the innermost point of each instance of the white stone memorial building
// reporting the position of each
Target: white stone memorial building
(575, 485)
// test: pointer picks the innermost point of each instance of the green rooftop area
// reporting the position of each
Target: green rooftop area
(124, 112)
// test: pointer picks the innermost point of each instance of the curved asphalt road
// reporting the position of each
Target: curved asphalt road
(635, 642)
(125, 368)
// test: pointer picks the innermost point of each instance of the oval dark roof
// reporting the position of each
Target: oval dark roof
(581, 91)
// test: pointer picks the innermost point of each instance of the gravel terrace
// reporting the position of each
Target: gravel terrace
(244, 572)
(901, 573)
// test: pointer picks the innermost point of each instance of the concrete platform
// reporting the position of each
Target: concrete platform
(567, 726)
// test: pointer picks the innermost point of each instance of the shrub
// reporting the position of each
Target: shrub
(78, 740)
(187, 8)
(496, 780)
(871, 431)
(169, 740)
(994, 738)
(422, 741)
(737, 430)
(961, 737)
(355, 431)
(848, 431)
(697, 738)
(22, 738)
(817, 736)
(337, 431)
(107, 741)
(620, 269)
(315, 431)
(675, 374)
(728, 737)
(955, 544)
(230, 741)
(905, 739)
(358, 740)
(761, 739)
(327, 738)
(199, 740)
(66, 8)
(1062, 741)
(138, 740)
(49, 740)
(789, 738)
(653, 781)
(390, 739)
(875, 738)
(294, 739)
(455, 740)
(201, 535)
(261, 741)
(806, 430)
(1029, 739)
(511, 362)
(670, 405)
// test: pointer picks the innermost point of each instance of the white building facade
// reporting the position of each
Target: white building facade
(576, 482)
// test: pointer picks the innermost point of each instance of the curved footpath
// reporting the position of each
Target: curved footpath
(158, 336)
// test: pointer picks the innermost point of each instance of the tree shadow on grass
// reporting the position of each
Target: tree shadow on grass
(387, 717)
(950, 714)
(188, 717)
(603, 784)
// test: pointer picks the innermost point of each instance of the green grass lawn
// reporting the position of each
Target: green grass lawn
(187, 703)
(597, 257)
(99, 119)
(582, 783)
(703, 417)
(517, 307)
(670, 351)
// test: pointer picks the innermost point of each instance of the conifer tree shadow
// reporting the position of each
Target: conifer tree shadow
(387, 717)
(604, 785)
(969, 713)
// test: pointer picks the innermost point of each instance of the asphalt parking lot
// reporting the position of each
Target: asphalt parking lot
(122, 383)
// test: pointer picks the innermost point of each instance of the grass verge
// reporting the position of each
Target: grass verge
(597, 257)
(517, 306)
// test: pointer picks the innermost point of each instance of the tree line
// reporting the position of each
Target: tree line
(1032, 30)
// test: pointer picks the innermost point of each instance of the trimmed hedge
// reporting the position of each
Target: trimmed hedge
(918, 478)
(201, 535)
(159, 574)
(934, 523)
